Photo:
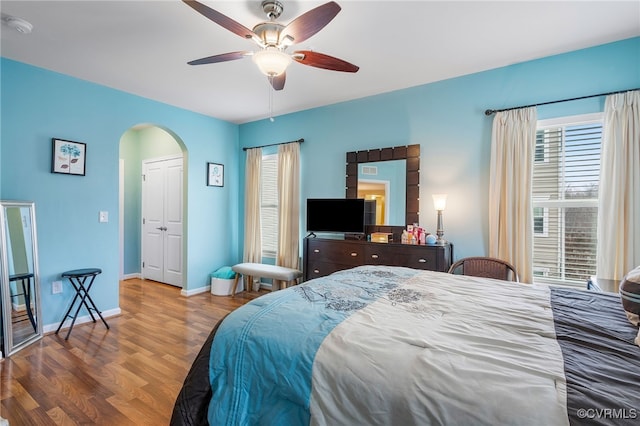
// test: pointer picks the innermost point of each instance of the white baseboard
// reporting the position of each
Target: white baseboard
(266, 286)
(49, 328)
(207, 288)
(131, 276)
(195, 291)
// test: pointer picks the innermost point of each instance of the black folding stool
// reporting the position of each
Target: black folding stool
(26, 293)
(78, 278)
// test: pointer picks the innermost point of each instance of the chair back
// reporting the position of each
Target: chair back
(487, 267)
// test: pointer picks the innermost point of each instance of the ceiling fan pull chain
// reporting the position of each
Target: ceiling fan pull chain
(271, 99)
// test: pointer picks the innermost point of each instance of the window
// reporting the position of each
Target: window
(542, 151)
(540, 221)
(540, 272)
(269, 205)
(566, 173)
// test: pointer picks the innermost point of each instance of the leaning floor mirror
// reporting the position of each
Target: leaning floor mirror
(20, 286)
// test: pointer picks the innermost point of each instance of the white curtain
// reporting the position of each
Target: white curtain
(252, 234)
(619, 193)
(510, 215)
(288, 205)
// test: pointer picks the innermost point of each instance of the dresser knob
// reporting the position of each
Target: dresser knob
(354, 254)
(374, 256)
(315, 271)
(422, 260)
(316, 251)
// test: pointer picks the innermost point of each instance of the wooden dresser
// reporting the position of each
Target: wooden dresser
(323, 256)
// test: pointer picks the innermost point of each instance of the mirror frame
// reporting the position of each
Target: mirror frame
(410, 153)
(11, 347)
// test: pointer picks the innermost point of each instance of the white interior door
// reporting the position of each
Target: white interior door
(162, 221)
(173, 223)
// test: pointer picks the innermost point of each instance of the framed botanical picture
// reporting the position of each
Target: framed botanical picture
(215, 174)
(68, 157)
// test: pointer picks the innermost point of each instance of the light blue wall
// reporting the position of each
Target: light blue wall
(38, 105)
(447, 119)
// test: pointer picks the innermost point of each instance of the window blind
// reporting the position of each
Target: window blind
(269, 205)
(565, 200)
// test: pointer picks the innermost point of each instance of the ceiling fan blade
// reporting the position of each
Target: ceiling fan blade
(309, 23)
(320, 60)
(278, 81)
(220, 19)
(231, 56)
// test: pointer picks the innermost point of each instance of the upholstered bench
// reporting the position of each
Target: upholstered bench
(279, 273)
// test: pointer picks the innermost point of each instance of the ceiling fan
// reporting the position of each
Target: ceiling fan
(274, 38)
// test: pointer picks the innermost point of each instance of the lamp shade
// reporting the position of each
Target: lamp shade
(439, 201)
(271, 61)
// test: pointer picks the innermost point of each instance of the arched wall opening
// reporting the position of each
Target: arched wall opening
(138, 144)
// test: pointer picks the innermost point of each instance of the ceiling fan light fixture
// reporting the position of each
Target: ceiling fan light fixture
(271, 61)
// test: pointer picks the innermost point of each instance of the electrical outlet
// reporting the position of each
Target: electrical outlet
(56, 287)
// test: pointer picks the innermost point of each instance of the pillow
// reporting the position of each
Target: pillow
(224, 272)
(630, 296)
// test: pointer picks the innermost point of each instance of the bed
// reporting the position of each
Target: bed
(381, 345)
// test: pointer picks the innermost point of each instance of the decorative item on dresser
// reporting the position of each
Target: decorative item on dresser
(323, 256)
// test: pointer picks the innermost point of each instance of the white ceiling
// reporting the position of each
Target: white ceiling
(142, 47)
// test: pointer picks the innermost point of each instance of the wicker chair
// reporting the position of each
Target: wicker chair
(487, 267)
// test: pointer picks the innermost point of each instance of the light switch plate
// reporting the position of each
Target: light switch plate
(56, 287)
(104, 217)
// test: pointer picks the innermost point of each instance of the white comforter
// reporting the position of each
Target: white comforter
(445, 350)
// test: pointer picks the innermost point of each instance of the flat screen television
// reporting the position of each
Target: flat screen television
(337, 215)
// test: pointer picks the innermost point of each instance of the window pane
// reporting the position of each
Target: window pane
(540, 148)
(269, 205)
(565, 194)
(538, 225)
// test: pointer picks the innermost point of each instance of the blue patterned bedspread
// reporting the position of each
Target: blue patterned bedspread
(270, 345)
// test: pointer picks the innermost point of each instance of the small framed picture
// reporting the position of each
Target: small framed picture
(215, 174)
(68, 157)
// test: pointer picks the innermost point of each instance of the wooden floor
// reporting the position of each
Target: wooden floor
(128, 375)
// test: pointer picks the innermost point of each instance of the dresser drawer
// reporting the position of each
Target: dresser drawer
(418, 257)
(338, 251)
(316, 269)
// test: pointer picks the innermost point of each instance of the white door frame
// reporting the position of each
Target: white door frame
(121, 216)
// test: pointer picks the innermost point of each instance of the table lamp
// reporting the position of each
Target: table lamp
(439, 203)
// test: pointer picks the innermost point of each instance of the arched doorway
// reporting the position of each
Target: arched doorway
(141, 146)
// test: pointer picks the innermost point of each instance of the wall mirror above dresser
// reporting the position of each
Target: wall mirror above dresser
(323, 256)
(388, 179)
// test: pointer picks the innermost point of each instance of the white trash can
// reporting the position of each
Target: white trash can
(223, 287)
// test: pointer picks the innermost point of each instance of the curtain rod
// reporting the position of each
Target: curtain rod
(273, 144)
(493, 111)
